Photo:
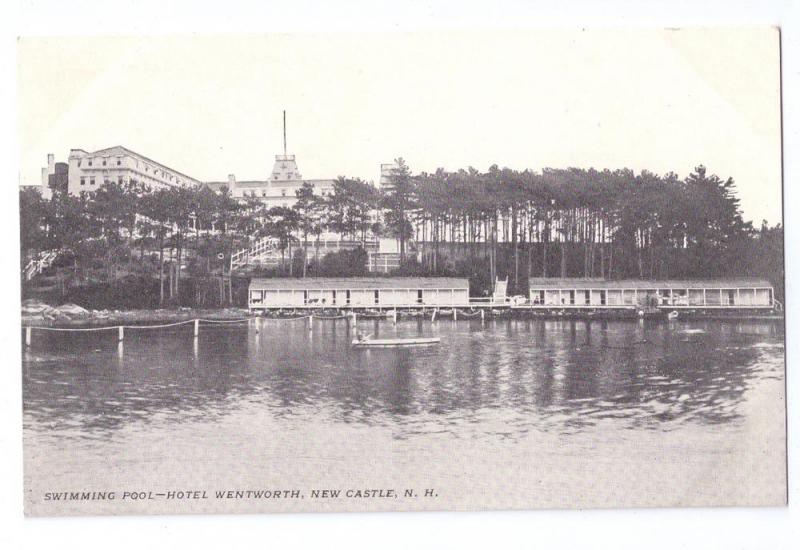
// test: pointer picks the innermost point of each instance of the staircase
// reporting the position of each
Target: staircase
(499, 294)
(37, 264)
(264, 252)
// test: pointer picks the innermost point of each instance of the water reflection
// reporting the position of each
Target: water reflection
(500, 377)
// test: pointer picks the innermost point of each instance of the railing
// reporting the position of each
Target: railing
(383, 261)
(36, 265)
(261, 250)
(266, 251)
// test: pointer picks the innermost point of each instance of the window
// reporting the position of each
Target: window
(333, 297)
(419, 296)
(274, 177)
(283, 192)
(119, 162)
(79, 164)
(119, 180)
(146, 168)
(91, 181)
(263, 193)
(377, 297)
(90, 162)
(104, 162)
(347, 297)
(106, 181)
(83, 181)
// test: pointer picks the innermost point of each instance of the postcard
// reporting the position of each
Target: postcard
(402, 271)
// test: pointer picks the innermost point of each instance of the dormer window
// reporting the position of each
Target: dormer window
(104, 162)
(90, 162)
(119, 162)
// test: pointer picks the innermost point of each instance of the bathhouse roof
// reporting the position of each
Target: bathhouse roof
(539, 283)
(356, 283)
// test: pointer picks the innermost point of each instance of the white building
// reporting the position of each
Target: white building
(358, 292)
(88, 171)
(280, 189)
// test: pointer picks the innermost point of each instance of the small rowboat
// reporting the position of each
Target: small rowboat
(394, 342)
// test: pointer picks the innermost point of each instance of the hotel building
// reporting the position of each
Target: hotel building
(280, 189)
(88, 171)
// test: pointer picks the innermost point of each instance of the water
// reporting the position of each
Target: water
(556, 413)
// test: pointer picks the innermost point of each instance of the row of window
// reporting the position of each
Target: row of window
(104, 162)
(283, 193)
(256, 299)
(91, 181)
(118, 161)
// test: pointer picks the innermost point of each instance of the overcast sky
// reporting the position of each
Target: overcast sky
(210, 106)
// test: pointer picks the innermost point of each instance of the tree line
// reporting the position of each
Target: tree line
(579, 223)
(482, 225)
(127, 228)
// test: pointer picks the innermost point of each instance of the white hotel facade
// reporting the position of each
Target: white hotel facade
(88, 171)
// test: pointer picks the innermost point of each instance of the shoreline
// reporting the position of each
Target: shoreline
(143, 316)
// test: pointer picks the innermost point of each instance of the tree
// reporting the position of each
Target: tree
(308, 217)
(397, 200)
(283, 222)
(33, 216)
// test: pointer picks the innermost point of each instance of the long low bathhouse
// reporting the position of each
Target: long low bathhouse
(644, 294)
(357, 292)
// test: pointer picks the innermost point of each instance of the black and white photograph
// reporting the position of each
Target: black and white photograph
(415, 271)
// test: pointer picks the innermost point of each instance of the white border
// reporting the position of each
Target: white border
(701, 528)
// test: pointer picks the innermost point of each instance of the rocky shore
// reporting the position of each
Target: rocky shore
(37, 313)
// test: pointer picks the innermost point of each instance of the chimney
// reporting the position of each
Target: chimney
(231, 179)
(51, 163)
(45, 179)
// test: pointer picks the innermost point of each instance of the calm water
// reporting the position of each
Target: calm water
(491, 385)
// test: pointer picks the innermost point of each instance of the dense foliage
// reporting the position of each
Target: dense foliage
(481, 225)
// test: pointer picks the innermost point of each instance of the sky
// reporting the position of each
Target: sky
(209, 106)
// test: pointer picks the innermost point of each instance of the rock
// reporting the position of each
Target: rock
(71, 310)
(34, 307)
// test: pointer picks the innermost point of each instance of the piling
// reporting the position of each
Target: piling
(482, 314)
(121, 336)
(258, 325)
(196, 328)
(28, 336)
(455, 314)
(394, 316)
(433, 317)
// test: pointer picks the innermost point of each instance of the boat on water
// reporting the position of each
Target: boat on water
(393, 342)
